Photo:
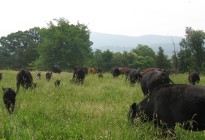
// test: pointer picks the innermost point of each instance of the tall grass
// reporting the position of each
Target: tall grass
(96, 109)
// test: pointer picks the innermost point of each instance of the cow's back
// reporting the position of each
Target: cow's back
(180, 103)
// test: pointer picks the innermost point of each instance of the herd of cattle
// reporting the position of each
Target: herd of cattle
(165, 102)
(24, 78)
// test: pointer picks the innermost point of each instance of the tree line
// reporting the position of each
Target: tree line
(68, 45)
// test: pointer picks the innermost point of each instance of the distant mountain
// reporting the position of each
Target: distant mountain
(120, 43)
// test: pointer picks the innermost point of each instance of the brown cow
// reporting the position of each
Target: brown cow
(92, 70)
(121, 70)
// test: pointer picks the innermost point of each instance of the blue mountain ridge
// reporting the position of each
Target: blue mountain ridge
(120, 43)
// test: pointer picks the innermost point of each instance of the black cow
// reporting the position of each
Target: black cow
(79, 75)
(25, 79)
(115, 72)
(9, 97)
(134, 76)
(194, 78)
(75, 71)
(170, 104)
(57, 83)
(56, 69)
(121, 70)
(1, 76)
(100, 73)
(38, 74)
(153, 79)
(48, 76)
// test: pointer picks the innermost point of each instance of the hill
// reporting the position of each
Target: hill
(120, 43)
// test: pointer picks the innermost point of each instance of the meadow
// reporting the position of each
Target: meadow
(95, 110)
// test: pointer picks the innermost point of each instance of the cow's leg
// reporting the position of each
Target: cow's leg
(168, 130)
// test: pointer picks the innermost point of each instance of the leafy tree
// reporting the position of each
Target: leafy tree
(194, 42)
(64, 44)
(97, 59)
(162, 60)
(144, 50)
(107, 57)
(185, 60)
(145, 56)
(18, 49)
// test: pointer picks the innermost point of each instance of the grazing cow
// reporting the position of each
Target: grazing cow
(92, 70)
(115, 72)
(9, 97)
(194, 78)
(153, 79)
(134, 76)
(38, 74)
(57, 83)
(125, 71)
(1, 76)
(48, 76)
(121, 70)
(25, 79)
(56, 69)
(170, 104)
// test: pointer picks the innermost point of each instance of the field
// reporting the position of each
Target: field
(95, 110)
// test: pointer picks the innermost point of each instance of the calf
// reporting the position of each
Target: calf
(57, 83)
(194, 78)
(38, 74)
(48, 76)
(170, 104)
(9, 97)
(25, 79)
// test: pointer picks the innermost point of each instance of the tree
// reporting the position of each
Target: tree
(145, 56)
(162, 60)
(185, 60)
(97, 59)
(64, 44)
(18, 49)
(194, 42)
(107, 57)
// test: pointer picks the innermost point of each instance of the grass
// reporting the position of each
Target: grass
(95, 110)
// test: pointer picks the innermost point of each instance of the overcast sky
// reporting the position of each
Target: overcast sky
(124, 17)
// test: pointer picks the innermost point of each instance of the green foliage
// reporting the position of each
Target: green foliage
(162, 60)
(63, 44)
(193, 47)
(19, 49)
(95, 110)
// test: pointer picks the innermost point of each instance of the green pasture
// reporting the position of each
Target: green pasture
(95, 110)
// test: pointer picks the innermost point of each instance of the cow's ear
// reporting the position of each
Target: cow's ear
(3, 88)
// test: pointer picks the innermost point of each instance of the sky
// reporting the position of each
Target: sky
(122, 17)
